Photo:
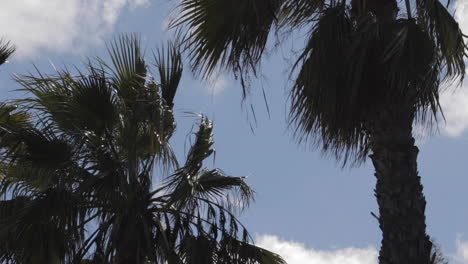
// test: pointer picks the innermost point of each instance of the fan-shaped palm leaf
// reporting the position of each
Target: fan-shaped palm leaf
(446, 33)
(168, 61)
(227, 33)
(192, 181)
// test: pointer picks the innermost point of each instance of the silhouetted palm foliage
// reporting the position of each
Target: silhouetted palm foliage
(339, 74)
(6, 50)
(77, 169)
(365, 74)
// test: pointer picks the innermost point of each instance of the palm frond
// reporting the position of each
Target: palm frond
(84, 102)
(298, 13)
(202, 148)
(6, 50)
(44, 229)
(213, 236)
(11, 119)
(201, 249)
(236, 251)
(351, 71)
(226, 33)
(412, 68)
(321, 99)
(9, 250)
(128, 66)
(198, 249)
(212, 184)
(191, 191)
(449, 39)
(168, 61)
(191, 182)
(11, 116)
(34, 159)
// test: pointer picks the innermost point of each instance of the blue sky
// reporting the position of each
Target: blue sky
(308, 209)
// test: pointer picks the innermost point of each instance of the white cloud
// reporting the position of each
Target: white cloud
(462, 251)
(58, 25)
(217, 83)
(296, 253)
(454, 101)
(460, 256)
(461, 9)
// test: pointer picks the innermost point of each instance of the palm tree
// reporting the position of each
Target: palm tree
(367, 72)
(78, 159)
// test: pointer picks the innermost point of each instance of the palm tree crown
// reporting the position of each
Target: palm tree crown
(78, 159)
(360, 56)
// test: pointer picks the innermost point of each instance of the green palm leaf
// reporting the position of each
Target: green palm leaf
(168, 61)
(191, 182)
(128, 66)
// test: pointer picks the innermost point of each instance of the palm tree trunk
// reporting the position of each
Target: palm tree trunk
(399, 191)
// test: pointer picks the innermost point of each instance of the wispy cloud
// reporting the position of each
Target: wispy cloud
(217, 83)
(461, 251)
(296, 253)
(454, 102)
(461, 9)
(61, 26)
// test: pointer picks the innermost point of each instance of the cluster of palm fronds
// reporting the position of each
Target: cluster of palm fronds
(77, 165)
(357, 59)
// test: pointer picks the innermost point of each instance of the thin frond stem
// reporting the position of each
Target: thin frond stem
(198, 217)
(166, 243)
(87, 244)
(408, 9)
